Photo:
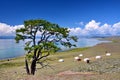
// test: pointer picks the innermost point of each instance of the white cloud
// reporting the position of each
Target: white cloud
(7, 30)
(75, 31)
(80, 23)
(105, 29)
(94, 28)
(92, 25)
(116, 28)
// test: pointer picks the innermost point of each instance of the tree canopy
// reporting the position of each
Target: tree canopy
(43, 38)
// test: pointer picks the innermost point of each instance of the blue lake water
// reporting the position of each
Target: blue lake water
(10, 49)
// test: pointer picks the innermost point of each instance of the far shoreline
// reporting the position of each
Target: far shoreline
(105, 40)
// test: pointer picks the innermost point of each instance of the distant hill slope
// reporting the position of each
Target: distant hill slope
(7, 37)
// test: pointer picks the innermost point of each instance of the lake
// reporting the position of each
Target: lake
(10, 49)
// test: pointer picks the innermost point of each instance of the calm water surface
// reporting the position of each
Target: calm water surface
(10, 49)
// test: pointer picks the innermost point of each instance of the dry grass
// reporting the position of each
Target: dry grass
(108, 68)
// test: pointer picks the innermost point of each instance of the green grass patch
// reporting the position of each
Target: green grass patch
(11, 64)
(77, 49)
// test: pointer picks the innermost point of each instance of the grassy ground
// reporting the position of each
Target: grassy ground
(107, 68)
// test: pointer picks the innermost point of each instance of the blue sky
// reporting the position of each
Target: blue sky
(74, 14)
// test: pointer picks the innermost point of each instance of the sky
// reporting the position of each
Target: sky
(81, 17)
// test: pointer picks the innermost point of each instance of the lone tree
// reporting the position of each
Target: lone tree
(43, 38)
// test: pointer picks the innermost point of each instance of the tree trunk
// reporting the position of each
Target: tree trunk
(27, 67)
(33, 66)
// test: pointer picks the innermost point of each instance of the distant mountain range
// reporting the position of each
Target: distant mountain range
(7, 37)
(12, 37)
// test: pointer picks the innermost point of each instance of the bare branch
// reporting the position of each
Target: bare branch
(44, 56)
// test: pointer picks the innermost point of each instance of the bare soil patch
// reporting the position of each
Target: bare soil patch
(65, 73)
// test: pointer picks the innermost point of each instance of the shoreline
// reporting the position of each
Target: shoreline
(102, 40)
(14, 58)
